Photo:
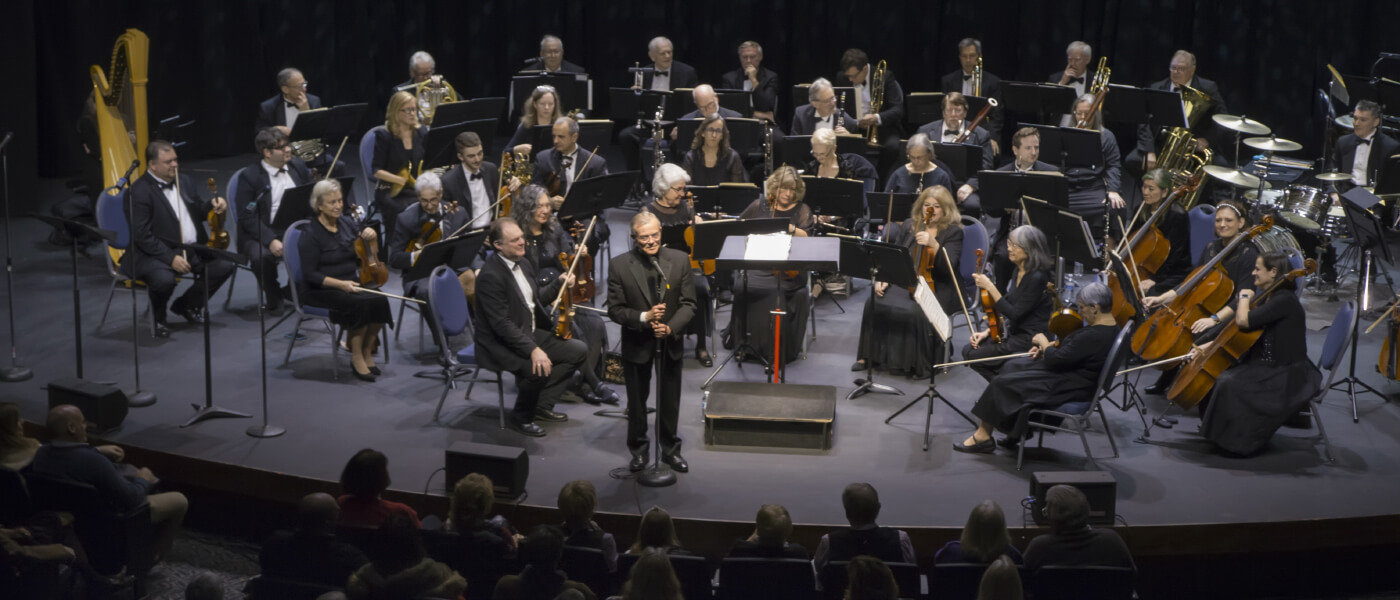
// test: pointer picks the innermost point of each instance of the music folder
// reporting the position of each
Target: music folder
(457, 253)
(327, 123)
(296, 203)
(440, 145)
(1066, 230)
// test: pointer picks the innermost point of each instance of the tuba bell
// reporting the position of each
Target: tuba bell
(431, 93)
(1179, 155)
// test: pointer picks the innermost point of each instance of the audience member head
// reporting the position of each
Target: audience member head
(12, 428)
(869, 579)
(397, 545)
(317, 513)
(65, 424)
(657, 530)
(862, 504)
(1001, 581)
(472, 499)
(773, 525)
(577, 501)
(652, 578)
(543, 547)
(984, 536)
(204, 586)
(366, 475)
(1066, 509)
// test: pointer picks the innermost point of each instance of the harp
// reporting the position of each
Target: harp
(120, 95)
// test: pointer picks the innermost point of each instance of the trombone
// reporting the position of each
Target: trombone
(877, 99)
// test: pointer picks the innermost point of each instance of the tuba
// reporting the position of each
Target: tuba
(877, 100)
(121, 106)
(430, 93)
(1179, 155)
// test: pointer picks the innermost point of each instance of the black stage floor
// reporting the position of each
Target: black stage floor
(1178, 480)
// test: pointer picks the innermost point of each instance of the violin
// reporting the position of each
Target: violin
(1198, 376)
(1167, 332)
(996, 325)
(1063, 321)
(564, 303)
(584, 287)
(1389, 361)
(928, 257)
(431, 232)
(1148, 250)
(373, 273)
(706, 267)
(218, 237)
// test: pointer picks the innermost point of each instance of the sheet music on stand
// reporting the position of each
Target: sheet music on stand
(932, 309)
(769, 246)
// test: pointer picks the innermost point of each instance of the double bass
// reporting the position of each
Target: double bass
(1388, 363)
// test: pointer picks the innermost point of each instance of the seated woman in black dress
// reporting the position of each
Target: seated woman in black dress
(545, 239)
(1054, 374)
(668, 189)
(827, 163)
(1025, 305)
(328, 280)
(710, 160)
(398, 155)
(1174, 225)
(1274, 380)
(541, 109)
(894, 331)
(922, 171)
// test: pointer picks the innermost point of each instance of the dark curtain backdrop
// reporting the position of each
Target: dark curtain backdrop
(213, 60)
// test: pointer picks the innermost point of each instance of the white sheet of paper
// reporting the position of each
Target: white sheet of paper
(932, 309)
(771, 246)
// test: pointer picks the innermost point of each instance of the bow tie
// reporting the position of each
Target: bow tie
(1365, 141)
(1074, 80)
(292, 105)
(162, 186)
(568, 162)
(966, 77)
(281, 171)
(474, 176)
(662, 74)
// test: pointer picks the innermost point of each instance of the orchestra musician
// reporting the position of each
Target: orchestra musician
(472, 183)
(1055, 373)
(707, 105)
(961, 81)
(1025, 304)
(398, 154)
(821, 111)
(1025, 147)
(765, 289)
(1231, 219)
(1182, 72)
(922, 172)
(566, 163)
(710, 160)
(753, 77)
(1076, 72)
(541, 109)
(1091, 188)
(545, 240)
(668, 189)
(666, 74)
(281, 111)
(906, 342)
(166, 212)
(856, 68)
(421, 67)
(954, 123)
(1156, 186)
(428, 210)
(257, 200)
(826, 162)
(328, 266)
(1366, 167)
(1274, 380)
(651, 294)
(551, 58)
(514, 330)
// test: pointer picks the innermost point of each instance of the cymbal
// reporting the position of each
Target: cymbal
(1241, 124)
(1271, 144)
(1232, 176)
(1333, 176)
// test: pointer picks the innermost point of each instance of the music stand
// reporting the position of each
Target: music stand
(1067, 231)
(327, 123)
(1160, 109)
(296, 203)
(738, 101)
(207, 256)
(1070, 146)
(75, 231)
(1040, 99)
(1003, 190)
(1388, 185)
(890, 207)
(476, 109)
(588, 197)
(879, 261)
(457, 253)
(627, 104)
(963, 160)
(710, 239)
(540, 138)
(921, 108)
(745, 135)
(724, 199)
(1366, 227)
(574, 90)
(440, 145)
(835, 197)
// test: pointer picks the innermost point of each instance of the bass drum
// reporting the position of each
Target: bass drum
(1277, 239)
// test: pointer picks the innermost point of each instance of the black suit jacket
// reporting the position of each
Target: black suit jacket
(537, 64)
(765, 95)
(978, 137)
(154, 226)
(1088, 77)
(1145, 135)
(723, 112)
(1382, 147)
(455, 188)
(502, 324)
(253, 201)
(804, 121)
(550, 161)
(991, 88)
(410, 225)
(892, 111)
(682, 76)
(270, 112)
(632, 291)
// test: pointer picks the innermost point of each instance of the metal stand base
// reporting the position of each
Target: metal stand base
(140, 399)
(265, 431)
(930, 394)
(213, 412)
(657, 475)
(14, 374)
(868, 384)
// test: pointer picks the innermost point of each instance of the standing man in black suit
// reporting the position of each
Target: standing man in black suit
(551, 58)
(571, 163)
(961, 81)
(257, 200)
(651, 294)
(514, 329)
(281, 111)
(1183, 73)
(856, 68)
(667, 74)
(163, 215)
(473, 182)
(1025, 145)
(1076, 73)
(821, 112)
(752, 77)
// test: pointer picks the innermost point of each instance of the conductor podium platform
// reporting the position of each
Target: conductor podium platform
(771, 415)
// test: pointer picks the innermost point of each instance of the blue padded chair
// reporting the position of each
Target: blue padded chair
(111, 215)
(1202, 219)
(1075, 416)
(366, 162)
(449, 316)
(291, 257)
(1333, 349)
(231, 225)
(1295, 262)
(974, 238)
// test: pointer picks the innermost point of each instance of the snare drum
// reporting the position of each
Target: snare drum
(1304, 207)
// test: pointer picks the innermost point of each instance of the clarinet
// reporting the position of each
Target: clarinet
(767, 149)
(656, 135)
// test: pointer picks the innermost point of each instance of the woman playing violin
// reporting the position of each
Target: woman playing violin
(907, 342)
(673, 211)
(1055, 373)
(1024, 304)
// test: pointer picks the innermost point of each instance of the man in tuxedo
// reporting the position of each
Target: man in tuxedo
(821, 112)
(257, 200)
(707, 105)
(551, 58)
(1025, 145)
(514, 331)
(969, 50)
(161, 217)
(1182, 73)
(571, 163)
(651, 294)
(409, 226)
(1076, 72)
(752, 77)
(856, 68)
(472, 182)
(281, 111)
(954, 122)
(667, 74)
(1365, 167)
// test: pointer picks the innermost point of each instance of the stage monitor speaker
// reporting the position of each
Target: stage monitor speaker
(1098, 486)
(507, 466)
(104, 407)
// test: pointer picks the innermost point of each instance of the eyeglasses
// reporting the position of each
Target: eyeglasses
(648, 237)
(408, 110)
(714, 131)
(680, 187)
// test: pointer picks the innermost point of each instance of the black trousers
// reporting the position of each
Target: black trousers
(264, 265)
(638, 377)
(161, 278)
(567, 356)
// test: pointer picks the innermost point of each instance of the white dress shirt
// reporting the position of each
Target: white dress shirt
(948, 135)
(663, 84)
(966, 84)
(291, 112)
(187, 231)
(524, 285)
(1362, 160)
(480, 201)
(280, 181)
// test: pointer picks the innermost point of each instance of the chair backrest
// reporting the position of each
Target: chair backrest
(692, 572)
(766, 579)
(974, 238)
(1295, 262)
(111, 215)
(113, 539)
(1202, 219)
(956, 581)
(587, 566)
(291, 256)
(835, 577)
(1082, 583)
(1117, 356)
(231, 220)
(263, 587)
(17, 506)
(1338, 336)
(448, 301)
(367, 159)
(480, 563)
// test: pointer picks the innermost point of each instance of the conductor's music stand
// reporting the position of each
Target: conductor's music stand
(1366, 227)
(879, 261)
(710, 238)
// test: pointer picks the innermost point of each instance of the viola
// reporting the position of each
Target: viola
(996, 326)
(928, 257)
(431, 232)
(373, 273)
(1063, 321)
(218, 237)
(584, 287)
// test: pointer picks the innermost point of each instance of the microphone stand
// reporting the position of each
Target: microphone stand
(136, 398)
(15, 372)
(658, 474)
(265, 430)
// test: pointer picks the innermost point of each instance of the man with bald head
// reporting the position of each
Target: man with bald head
(1181, 73)
(310, 552)
(706, 105)
(666, 75)
(69, 457)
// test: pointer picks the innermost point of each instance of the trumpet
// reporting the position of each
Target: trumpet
(977, 78)
(877, 100)
(430, 93)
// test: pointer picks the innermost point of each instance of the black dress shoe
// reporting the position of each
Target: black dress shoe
(607, 395)
(986, 446)
(363, 376)
(639, 461)
(704, 357)
(859, 365)
(677, 463)
(194, 316)
(161, 330)
(375, 371)
(529, 429)
(1156, 389)
(550, 416)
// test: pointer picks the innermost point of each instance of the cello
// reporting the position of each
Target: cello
(1148, 250)
(1388, 363)
(996, 325)
(1168, 331)
(1198, 376)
